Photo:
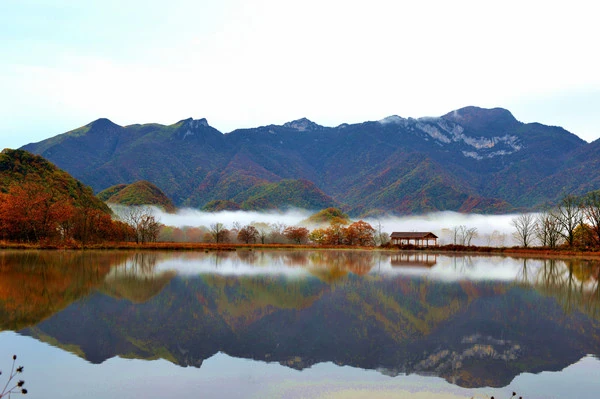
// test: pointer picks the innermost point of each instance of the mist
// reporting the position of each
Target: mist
(492, 230)
(194, 218)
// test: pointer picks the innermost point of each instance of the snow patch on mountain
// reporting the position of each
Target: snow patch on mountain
(302, 125)
(446, 132)
(394, 120)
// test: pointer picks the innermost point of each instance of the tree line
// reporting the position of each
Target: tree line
(573, 223)
(33, 212)
(338, 232)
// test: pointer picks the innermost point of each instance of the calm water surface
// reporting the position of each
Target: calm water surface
(299, 324)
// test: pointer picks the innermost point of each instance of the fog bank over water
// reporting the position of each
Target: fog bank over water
(494, 230)
(490, 228)
(194, 217)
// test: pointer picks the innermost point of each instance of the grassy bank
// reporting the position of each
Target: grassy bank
(205, 247)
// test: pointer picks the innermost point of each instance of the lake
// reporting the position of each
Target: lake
(299, 324)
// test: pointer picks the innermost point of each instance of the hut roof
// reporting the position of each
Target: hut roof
(413, 234)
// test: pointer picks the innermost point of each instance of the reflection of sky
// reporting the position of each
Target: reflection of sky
(446, 268)
(54, 373)
(230, 266)
(483, 268)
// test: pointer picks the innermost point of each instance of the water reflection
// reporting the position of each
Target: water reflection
(575, 283)
(36, 284)
(475, 321)
(418, 259)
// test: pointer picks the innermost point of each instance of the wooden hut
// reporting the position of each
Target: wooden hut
(418, 239)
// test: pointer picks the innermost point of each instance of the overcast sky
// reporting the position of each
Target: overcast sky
(252, 63)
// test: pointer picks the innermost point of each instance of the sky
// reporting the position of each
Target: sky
(241, 64)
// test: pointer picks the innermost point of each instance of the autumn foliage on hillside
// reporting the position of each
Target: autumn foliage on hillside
(41, 203)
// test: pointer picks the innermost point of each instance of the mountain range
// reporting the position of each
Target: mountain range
(469, 160)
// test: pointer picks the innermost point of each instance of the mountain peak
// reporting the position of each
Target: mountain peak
(392, 119)
(194, 123)
(483, 118)
(302, 124)
(102, 123)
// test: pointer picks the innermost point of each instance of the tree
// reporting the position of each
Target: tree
(263, 230)
(248, 234)
(568, 216)
(218, 232)
(318, 236)
(464, 235)
(360, 233)
(336, 232)
(276, 234)
(299, 235)
(584, 236)
(591, 211)
(468, 235)
(381, 237)
(34, 212)
(525, 228)
(144, 224)
(547, 230)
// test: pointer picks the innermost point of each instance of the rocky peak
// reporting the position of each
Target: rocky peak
(302, 125)
(393, 119)
(195, 123)
(485, 120)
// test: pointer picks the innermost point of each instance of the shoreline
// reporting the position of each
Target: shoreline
(209, 247)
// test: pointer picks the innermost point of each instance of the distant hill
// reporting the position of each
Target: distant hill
(284, 194)
(139, 193)
(325, 216)
(469, 160)
(18, 167)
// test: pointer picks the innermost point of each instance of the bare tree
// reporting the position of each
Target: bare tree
(468, 235)
(263, 230)
(217, 232)
(547, 230)
(381, 237)
(145, 225)
(525, 228)
(457, 235)
(276, 235)
(591, 211)
(464, 235)
(568, 215)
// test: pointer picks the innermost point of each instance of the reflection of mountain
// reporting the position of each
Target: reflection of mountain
(35, 284)
(472, 334)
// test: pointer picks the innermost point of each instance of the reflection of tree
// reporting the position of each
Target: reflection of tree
(334, 265)
(574, 283)
(462, 263)
(523, 274)
(35, 285)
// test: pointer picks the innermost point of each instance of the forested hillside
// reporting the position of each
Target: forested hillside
(469, 160)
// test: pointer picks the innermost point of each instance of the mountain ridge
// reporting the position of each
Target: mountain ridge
(477, 155)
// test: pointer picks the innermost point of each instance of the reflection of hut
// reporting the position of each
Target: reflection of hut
(418, 259)
(418, 239)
